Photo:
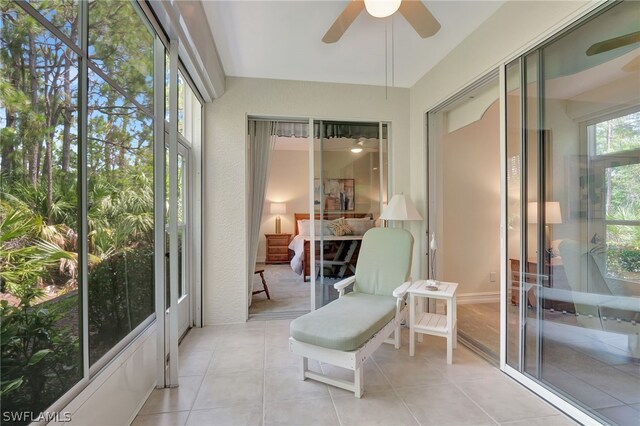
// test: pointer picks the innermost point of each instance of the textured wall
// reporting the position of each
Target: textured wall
(225, 245)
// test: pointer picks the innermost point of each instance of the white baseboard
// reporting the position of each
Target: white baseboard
(261, 259)
(487, 297)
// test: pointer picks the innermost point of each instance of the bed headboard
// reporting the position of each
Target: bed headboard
(327, 216)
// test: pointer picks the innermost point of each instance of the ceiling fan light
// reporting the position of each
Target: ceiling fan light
(356, 149)
(382, 8)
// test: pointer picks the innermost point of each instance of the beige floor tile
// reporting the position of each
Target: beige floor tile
(284, 384)
(244, 326)
(197, 341)
(410, 371)
(384, 408)
(389, 352)
(301, 412)
(194, 363)
(505, 400)
(462, 371)
(251, 376)
(280, 357)
(242, 358)
(178, 418)
(443, 404)
(374, 380)
(237, 415)
(174, 399)
(278, 324)
(222, 390)
(278, 337)
(232, 341)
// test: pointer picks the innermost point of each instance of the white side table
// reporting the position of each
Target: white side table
(434, 324)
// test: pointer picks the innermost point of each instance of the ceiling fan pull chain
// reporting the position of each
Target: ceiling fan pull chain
(386, 59)
(393, 54)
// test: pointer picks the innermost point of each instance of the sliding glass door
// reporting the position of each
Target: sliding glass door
(350, 185)
(464, 214)
(573, 214)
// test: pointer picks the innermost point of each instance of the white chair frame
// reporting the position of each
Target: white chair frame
(351, 360)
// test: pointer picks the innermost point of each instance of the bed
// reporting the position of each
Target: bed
(341, 252)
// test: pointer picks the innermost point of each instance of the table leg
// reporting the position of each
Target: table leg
(449, 332)
(412, 315)
(422, 303)
(347, 259)
(455, 321)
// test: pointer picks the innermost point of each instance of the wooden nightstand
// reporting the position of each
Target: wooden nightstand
(277, 248)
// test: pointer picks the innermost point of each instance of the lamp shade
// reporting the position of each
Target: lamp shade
(553, 214)
(401, 208)
(278, 208)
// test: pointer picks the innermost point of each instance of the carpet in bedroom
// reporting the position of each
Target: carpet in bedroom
(289, 293)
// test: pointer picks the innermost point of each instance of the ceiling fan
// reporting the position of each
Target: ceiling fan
(414, 11)
(613, 43)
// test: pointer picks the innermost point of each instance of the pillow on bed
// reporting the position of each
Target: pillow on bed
(360, 225)
(304, 227)
(339, 227)
(321, 228)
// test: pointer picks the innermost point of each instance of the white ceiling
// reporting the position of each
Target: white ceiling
(282, 40)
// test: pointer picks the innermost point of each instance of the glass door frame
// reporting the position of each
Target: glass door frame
(519, 374)
(186, 290)
(313, 302)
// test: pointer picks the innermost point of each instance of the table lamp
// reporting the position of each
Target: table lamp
(278, 209)
(400, 208)
(552, 215)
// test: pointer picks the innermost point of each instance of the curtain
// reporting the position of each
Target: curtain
(330, 130)
(262, 139)
(297, 130)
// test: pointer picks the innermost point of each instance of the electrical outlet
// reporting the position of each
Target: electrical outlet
(492, 277)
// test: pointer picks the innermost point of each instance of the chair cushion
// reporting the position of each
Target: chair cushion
(345, 324)
(384, 261)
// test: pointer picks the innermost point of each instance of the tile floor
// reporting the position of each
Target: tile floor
(244, 375)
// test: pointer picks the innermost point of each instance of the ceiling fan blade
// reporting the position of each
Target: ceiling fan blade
(613, 43)
(346, 18)
(417, 14)
(633, 65)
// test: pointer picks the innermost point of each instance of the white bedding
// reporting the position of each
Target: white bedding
(297, 245)
(358, 226)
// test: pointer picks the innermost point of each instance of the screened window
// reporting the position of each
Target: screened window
(616, 144)
(41, 355)
(43, 150)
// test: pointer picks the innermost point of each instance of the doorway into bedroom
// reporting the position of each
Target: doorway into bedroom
(464, 208)
(278, 288)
